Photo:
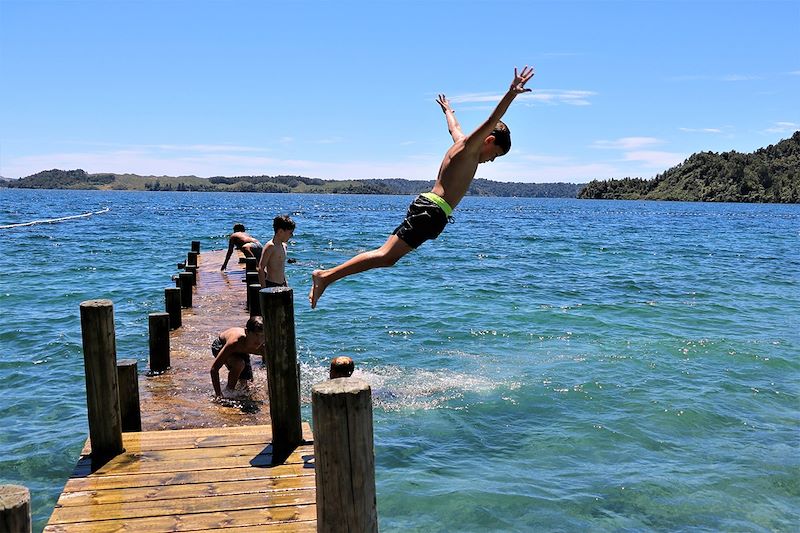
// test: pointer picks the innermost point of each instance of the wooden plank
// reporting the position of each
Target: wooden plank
(198, 438)
(175, 478)
(172, 461)
(181, 506)
(307, 526)
(194, 490)
(276, 516)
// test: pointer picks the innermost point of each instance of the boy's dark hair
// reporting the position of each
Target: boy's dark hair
(255, 324)
(238, 227)
(283, 222)
(502, 136)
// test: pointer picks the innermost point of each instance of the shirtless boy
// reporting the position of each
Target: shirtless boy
(272, 266)
(233, 348)
(429, 213)
(240, 239)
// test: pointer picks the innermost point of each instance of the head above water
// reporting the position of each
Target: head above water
(255, 325)
(238, 227)
(342, 367)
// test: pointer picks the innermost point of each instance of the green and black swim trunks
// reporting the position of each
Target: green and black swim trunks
(426, 218)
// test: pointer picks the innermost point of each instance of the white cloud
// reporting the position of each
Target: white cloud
(542, 96)
(701, 130)
(783, 127)
(627, 143)
(794, 73)
(655, 159)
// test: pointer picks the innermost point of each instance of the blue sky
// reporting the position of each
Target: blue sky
(347, 89)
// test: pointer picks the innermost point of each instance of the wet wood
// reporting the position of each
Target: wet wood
(158, 325)
(183, 397)
(172, 305)
(185, 281)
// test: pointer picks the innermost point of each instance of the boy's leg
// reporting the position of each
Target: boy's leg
(387, 255)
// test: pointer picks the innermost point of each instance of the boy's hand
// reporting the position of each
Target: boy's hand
(520, 79)
(445, 105)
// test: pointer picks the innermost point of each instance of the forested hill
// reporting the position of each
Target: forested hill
(770, 174)
(78, 179)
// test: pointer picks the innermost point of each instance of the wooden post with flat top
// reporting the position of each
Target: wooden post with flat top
(129, 408)
(159, 341)
(196, 246)
(344, 458)
(283, 375)
(251, 264)
(15, 509)
(251, 278)
(100, 365)
(172, 305)
(191, 258)
(185, 280)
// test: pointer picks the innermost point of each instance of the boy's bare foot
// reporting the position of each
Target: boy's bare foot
(317, 288)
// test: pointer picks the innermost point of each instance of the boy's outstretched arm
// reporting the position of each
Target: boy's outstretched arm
(452, 124)
(517, 87)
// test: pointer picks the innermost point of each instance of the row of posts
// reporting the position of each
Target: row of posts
(341, 408)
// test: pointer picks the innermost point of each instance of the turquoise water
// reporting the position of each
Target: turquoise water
(548, 364)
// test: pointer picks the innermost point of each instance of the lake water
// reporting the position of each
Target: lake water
(546, 364)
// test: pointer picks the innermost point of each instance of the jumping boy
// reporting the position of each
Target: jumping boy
(233, 348)
(271, 267)
(240, 239)
(429, 213)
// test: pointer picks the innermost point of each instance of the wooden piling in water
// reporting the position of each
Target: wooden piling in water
(15, 509)
(191, 258)
(344, 458)
(185, 279)
(251, 264)
(251, 278)
(252, 297)
(100, 365)
(159, 341)
(283, 373)
(128, 380)
(196, 246)
(172, 305)
(193, 271)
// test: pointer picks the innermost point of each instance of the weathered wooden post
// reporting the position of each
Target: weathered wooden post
(196, 246)
(251, 278)
(251, 264)
(344, 459)
(159, 341)
(191, 258)
(128, 379)
(100, 365)
(172, 305)
(193, 271)
(185, 279)
(283, 375)
(15, 509)
(252, 297)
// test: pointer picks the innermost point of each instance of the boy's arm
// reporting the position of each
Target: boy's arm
(452, 124)
(517, 87)
(262, 263)
(229, 347)
(228, 255)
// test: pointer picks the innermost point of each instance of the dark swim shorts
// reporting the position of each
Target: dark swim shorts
(247, 372)
(269, 284)
(424, 220)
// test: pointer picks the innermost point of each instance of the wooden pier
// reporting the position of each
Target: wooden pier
(179, 475)
(192, 480)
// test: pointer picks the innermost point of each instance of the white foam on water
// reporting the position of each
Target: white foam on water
(54, 220)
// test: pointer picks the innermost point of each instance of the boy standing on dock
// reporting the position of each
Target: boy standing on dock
(430, 212)
(240, 239)
(272, 266)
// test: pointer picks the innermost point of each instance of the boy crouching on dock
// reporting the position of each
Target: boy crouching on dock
(233, 348)
(430, 212)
